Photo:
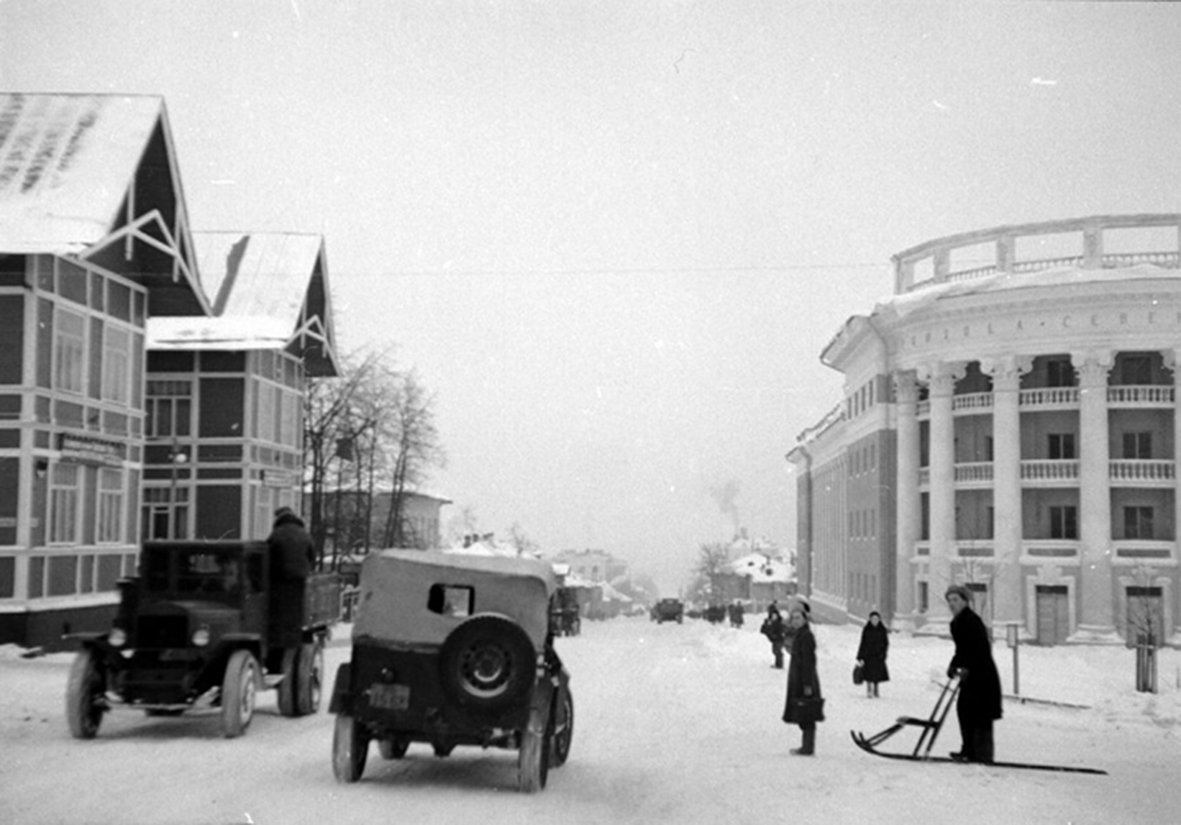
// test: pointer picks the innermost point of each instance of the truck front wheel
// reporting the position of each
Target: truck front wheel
(84, 695)
(239, 688)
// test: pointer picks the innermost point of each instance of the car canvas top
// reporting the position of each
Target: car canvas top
(402, 580)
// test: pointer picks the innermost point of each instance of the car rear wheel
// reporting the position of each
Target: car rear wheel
(311, 678)
(487, 663)
(84, 694)
(533, 760)
(350, 746)
(239, 689)
(563, 731)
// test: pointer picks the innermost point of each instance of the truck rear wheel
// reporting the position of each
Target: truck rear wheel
(84, 693)
(350, 746)
(239, 689)
(310, 682)
(288, 687)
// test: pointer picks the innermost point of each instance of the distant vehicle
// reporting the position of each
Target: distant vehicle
(198, 628)
(453, 650)
(668, 610)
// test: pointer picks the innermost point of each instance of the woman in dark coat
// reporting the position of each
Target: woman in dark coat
(979, 704)
(802, 678)
(871, 655)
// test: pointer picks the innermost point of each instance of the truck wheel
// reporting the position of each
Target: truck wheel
(533, 760)
(84, 695)
(393, 748)
(350, 746)
(310, 684)
(239, 689)
(487, 663)
(563, 731)
(287, 688)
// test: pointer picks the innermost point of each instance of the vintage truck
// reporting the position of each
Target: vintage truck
(205, 625)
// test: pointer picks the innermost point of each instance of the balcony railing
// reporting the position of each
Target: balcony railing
(1152, 395)
(1144, 472)
(1049, 470)
(973, 472)
(970, 402)
(1049, 397)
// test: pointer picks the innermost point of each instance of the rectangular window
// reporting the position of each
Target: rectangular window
(69, 345)
(1061, 446)
(1064, 522)
(1138, 445)
(169, 408)
(110, 506)
(116, 367)
(1138, 522)
(64, 497)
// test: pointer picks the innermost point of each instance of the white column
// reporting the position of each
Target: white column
(1172, 359)
(942, 488)
(1006, 486)
(1095, 588)
(907, 501)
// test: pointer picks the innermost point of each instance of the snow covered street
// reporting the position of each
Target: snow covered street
(673, 723)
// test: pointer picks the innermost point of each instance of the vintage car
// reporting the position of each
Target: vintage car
(453, 649)
(668, 610)
(204, 625)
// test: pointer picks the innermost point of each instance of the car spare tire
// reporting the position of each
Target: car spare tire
(487, 664)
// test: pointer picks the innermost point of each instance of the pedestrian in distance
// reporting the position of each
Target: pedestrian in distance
(871, 654)
(775, 630)
(736, 614)
(804, 705)
(979, 703)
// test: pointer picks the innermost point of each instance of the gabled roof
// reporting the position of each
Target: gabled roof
(269, 291)
(95, 176)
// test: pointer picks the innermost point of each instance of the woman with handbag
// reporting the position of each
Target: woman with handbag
(871, 655)
(805, 706)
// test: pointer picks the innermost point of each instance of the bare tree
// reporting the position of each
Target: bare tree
(713, 562)
(411, 443)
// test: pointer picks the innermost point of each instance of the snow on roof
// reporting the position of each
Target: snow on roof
(258, 273)
(65, 165)
(762, 568)
(196, 333)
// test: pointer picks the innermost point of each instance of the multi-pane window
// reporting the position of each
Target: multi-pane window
(64, 487)
(165, 513)
(69, 337)
(116, 367)
(287, 428)
(110, 506)
(1064, 522)
(1061, 446)
(1059, 373)
(1138, 445)
(169, 408)
(1137, 522)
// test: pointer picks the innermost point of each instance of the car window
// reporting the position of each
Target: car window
(451, 600)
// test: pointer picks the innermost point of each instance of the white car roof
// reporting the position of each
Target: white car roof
(395, 586)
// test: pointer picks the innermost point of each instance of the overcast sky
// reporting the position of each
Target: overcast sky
(614, 236)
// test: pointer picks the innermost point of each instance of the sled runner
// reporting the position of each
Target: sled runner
(929, 730)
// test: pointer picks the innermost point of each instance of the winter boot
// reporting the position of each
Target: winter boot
(808, 745)
(875, 690)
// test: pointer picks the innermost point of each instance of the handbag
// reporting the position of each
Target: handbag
(858, 675)
(808, 709)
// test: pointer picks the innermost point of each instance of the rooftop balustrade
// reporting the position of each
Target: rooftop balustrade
(1097, 242)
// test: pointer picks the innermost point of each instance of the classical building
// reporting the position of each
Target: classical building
(1010, 422)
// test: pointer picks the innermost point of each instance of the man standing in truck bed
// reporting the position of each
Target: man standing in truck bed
(293, 557)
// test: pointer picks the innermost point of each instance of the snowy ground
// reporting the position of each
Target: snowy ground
(674, 723)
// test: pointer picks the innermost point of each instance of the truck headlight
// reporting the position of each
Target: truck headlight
(117, 637)
(201, 636)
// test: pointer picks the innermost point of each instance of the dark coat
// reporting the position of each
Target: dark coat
(293, 554)
(775, 629)
(875, 641)
(980, 686)
(801, 672)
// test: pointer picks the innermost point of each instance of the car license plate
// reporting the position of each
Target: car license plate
(389, 697)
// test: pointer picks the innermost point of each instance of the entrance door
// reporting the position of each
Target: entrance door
(1145, 616)
(1053, 614)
